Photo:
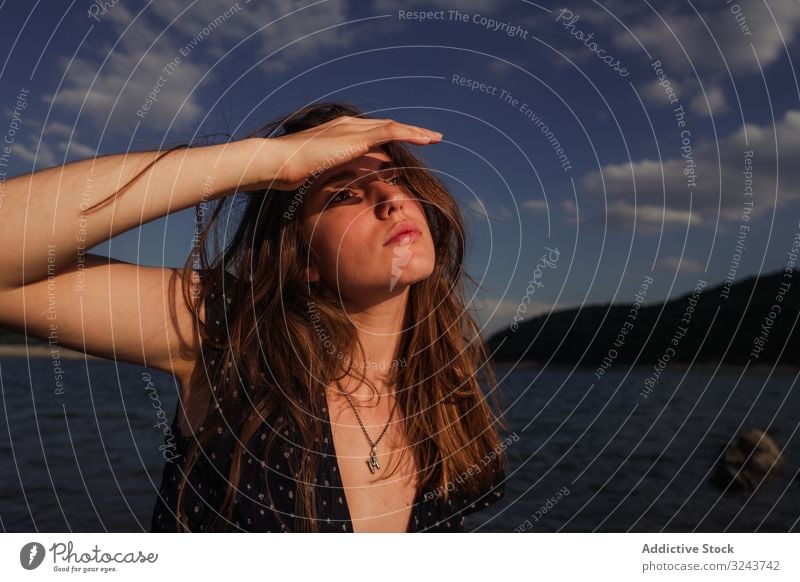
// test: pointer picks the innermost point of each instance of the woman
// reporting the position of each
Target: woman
(326, 359)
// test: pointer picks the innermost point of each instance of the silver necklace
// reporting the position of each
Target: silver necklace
(372, 462)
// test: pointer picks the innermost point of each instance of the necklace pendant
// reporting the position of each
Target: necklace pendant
(372, 463)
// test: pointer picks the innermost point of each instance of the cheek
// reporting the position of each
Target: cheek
(323, 246)
(341, 246)
(421, 218)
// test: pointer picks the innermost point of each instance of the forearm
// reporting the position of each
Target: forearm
(47, 216)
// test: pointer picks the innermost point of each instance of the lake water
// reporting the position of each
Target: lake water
(88, 459)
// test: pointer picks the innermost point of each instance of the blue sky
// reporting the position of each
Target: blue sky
(619, 208)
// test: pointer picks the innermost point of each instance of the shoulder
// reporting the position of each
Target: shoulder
(214, 293)
(220, 289)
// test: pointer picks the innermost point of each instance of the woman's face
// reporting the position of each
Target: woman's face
(349, 217)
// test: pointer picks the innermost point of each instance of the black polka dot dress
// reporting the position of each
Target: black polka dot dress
(255, 511)
(266, 493)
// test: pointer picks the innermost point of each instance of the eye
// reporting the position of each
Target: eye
(395, 179)
(339, 193)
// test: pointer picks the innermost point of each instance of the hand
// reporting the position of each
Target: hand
(289, 160)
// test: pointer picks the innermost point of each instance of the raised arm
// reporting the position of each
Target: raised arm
(49, 215)
(124, 311)
(94, 304)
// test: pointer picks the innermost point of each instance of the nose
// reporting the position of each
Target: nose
(392, 202)
(388, 198)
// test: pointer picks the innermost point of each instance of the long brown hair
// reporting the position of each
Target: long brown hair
(273, 358)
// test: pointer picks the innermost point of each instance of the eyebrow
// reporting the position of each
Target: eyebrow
(350, 174)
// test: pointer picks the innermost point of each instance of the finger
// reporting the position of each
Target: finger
(344, 124)
(404, 132)
(422, 130)
(436, 136)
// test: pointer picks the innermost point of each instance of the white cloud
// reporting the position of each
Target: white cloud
(77, 150)
(653, 94)
(503, 213)
(681, 263)
(707, 197)
(44, 157)
(569, 207)
(476, 205)
(497, 68)
(115, 93)
(649, 219)
(535, 205)
(276, 28)
(56, 145)
(685, 30)
(58, 128)
(717, 103)
(462, 5)
(53, 153)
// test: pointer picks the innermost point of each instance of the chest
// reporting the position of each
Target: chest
(376, 501)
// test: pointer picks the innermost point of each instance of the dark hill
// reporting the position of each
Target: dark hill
(728, 330)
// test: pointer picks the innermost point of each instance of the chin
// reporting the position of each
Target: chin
(407, 275)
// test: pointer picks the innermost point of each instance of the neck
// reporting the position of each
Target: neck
(380, 328)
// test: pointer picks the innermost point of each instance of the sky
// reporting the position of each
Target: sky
(590, 145)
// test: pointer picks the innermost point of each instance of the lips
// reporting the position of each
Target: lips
(403, 231)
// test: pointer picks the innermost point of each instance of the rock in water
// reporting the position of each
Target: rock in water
(749, 459)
